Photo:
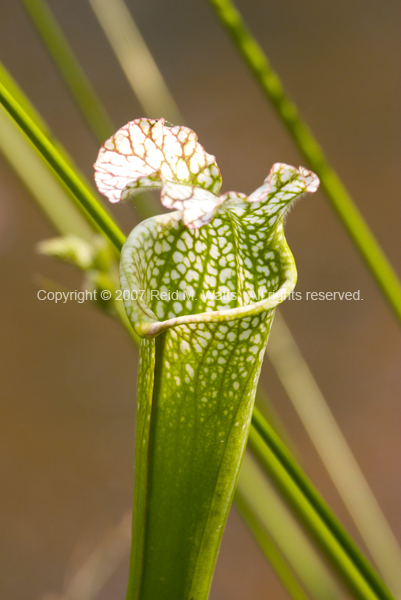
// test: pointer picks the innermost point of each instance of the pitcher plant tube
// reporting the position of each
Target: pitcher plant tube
(200, 286)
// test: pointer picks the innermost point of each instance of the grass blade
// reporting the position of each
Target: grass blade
(274, 526)
(271, 85)
(334, 451)
(34, 173)
(70, 68)
(136, 60)
(85, 199)
(269, 549)
(350, 563)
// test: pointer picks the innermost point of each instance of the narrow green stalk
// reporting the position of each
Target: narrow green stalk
(27, 107)
(271, 85)
(70, 68)
(9, 82)
(349, 574)
(136, 60)
(348, 560)
(267, 515)
(334, 451)
(269, 549)
(85, 200)
(33, 171)
(15, 91)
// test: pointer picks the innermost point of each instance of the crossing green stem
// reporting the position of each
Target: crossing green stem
(85, 200)
(271, 85)
(70, 68)
(349, 561)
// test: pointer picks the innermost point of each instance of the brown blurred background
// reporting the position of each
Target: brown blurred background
(68, 373)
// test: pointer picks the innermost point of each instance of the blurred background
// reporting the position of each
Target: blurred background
(68, 373)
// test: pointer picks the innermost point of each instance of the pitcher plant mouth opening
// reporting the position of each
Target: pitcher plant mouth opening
(224, 256)
(154, 305)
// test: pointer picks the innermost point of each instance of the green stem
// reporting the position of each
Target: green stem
(15, 91)
(70, 68)
(31, 168)
(85, 200)
(270, 83)
(349, 561)
(269, 549)
(136, 60)
(276, 518)
(334, 452)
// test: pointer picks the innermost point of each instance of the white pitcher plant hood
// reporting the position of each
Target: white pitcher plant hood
(224, 255)
(146, 154)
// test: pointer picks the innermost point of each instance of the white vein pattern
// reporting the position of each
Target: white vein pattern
(146, 154)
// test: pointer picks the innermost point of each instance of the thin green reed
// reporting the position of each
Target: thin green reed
(261, 505)
(272, 87)
(269, 549)
(84, 198)
(69, 66)
(278, 460)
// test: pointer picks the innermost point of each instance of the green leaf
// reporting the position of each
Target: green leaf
(209, 295)
(349, 562)
(85, 200)
(70, 249)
